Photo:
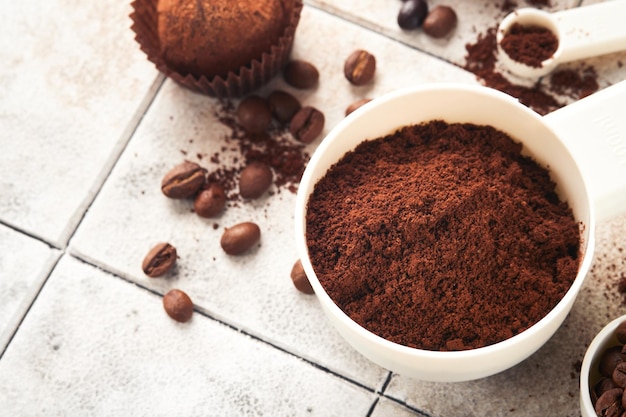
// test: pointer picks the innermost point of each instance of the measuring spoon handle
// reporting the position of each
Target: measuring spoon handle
(592, 30)
(594, 131)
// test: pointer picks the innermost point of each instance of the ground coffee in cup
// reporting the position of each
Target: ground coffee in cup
(442, 237)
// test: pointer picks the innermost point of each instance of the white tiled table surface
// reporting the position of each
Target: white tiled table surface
(88, 127)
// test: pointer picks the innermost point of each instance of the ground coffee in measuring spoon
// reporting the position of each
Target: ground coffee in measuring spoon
(530, 45)
(442, 237)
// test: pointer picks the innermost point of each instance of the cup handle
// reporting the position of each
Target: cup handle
(594, 131)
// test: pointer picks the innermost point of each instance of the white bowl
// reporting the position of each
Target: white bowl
(452, 103)
(589, 372)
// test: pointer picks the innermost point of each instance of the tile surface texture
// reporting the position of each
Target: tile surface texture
(24, 265)
(93, 345)
(88, 128)
(72, 83)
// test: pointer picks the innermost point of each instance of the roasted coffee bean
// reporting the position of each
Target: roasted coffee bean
(307, 124)
(210, 201)
(299, 278)
(360, 67)
(159, 260)
(412, 14)
(609, 360)
(255, 180)
(240, 237)
(610, 403)
(355, 105)
(439, 21)
(603, 385)
(254, 114)
(283, 105)
(619, 375)
(301, 74)
(178, 305)
(184, 180)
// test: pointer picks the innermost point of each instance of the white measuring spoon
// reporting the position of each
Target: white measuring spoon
(582, 32)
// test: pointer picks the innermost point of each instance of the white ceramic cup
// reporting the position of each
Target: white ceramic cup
(595, 122)
(589, 372)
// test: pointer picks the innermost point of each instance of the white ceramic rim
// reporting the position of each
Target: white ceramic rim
(529, 16)
(589, 369)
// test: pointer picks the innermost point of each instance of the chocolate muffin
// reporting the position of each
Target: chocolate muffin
(219, 47)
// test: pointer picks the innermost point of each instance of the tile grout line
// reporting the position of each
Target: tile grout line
(108, 167)
(62, 244)
(381, 394)
(31, 235)
(382, 31)
(4, 344)
(419, 412)
(239, 330)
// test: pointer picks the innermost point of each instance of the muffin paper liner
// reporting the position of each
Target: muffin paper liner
(238, 82)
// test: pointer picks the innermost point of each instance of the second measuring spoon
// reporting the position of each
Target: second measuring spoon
(581, 32)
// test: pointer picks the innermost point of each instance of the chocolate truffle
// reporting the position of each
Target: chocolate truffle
(221, 48)
(214, 37)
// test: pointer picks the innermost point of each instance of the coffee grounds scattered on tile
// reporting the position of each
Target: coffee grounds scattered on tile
(276, 148)
(481, 59)
(574, 84)
(479, 250)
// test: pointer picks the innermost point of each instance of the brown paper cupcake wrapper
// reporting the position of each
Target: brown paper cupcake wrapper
(237, 83)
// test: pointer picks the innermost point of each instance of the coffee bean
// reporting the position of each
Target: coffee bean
(603, 385)
(240, 237)
(610, 403)
(609, 360)
(159, 260)
(360, 67)
(184, 180)
(254, 115)
(283, 105)
(355, 105)
(301, 74)
(307, 124)
(178, 305)
(299, 278)
(210, 201)
(412, 14)
(619, 375)
(439, 22)
(254, 180)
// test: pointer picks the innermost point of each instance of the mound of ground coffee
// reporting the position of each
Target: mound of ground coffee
(530, 45)
(442, 237)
